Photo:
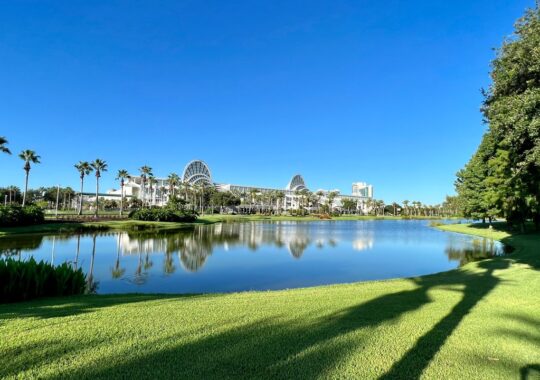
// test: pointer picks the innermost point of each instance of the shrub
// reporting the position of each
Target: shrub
(25, 280)
(158, 214)
(15, 215)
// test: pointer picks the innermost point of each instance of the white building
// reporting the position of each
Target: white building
(156, 191)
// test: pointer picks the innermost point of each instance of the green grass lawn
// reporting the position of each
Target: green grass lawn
(110, 225)
(308, 218)
(479, 322)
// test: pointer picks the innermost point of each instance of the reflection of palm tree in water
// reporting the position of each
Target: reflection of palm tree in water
(91, 285)
(140, 277)
(147, 262)
(117, 271)
(76, 262)
(168, 264)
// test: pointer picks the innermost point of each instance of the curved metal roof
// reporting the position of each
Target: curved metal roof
(196, 172)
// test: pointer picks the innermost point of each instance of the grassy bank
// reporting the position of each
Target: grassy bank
(114, 225)
(309, 218)
(480, 321)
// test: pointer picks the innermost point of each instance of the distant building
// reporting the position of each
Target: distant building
(362, 189)
(197, 173)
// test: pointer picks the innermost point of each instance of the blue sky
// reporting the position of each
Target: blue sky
(339, 91)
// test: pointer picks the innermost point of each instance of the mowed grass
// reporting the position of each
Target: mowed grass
(479, 322)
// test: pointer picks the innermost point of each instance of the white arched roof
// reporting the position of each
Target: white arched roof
(296, 183)
(196, 172)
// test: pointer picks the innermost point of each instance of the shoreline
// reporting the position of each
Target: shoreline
(128, 225)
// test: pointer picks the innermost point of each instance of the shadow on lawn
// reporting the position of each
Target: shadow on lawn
(295, 348)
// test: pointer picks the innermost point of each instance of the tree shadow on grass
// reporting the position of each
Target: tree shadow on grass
(70, 306)
(300, 349)
(530, 372)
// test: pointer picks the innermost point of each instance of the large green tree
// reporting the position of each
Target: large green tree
(503, 177)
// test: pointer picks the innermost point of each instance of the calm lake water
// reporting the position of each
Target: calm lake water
(244, 256)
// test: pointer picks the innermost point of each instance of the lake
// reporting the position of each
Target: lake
(254, 256)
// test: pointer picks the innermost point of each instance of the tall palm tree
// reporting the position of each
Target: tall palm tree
(162, 193)
(406, 206)
(152, 181)
(29, 157)
(174, 180)
(84, 169)
(330, 199)
(280, 197)
(3, 147)
(145, 171)
(99, 166)
(122, 175)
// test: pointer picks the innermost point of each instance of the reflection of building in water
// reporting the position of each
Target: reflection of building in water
(193, 246)
(135, 244)
(363, 243)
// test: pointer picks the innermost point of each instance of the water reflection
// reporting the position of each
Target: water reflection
(477, 249)
(146, 259)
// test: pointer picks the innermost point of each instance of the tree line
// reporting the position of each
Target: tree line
(502, 179)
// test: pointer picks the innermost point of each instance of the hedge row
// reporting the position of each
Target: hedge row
(159, 214)
(24, 280)
(14, 215)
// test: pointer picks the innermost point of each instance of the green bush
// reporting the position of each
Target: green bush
(158, 214)
(15, 215)
(24, 280)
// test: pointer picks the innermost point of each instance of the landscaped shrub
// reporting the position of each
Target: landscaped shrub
(158, 214)
(14, 215)
(24, 280)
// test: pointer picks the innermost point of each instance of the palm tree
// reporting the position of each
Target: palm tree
(331, 196)
(122, 175)
(280, 197)
(162, 193)
(3, 147)
(152, 181)
(29, 157)
(84, 168)
(146, 171)
(174, 180)
(406, 206)
(98, 166)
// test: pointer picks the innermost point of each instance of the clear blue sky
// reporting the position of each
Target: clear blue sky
(386, 92)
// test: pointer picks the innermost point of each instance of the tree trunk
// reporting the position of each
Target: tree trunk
(97, 197)
(121, 200)
(25, 187)
(81, 197)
